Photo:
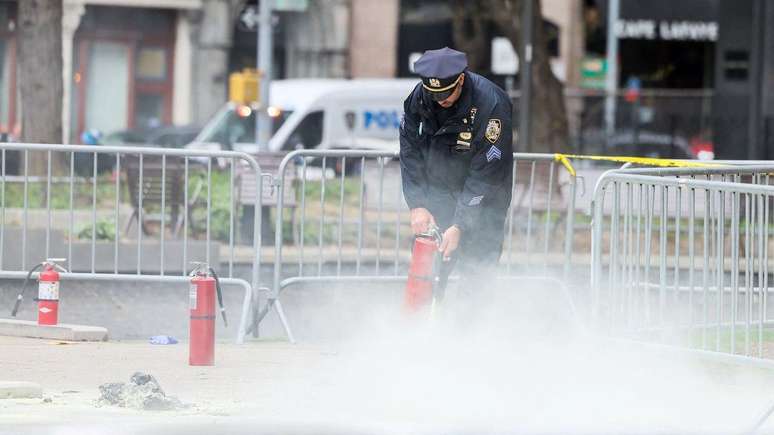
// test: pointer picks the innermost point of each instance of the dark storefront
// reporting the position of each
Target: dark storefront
(666, 44)
(744, 91)
(666, 56)
(711, 62)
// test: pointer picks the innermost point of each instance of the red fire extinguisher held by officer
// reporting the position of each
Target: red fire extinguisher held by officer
(48, 291)
(204, 287)
(424, 287)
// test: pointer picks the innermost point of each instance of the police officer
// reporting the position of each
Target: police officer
(456, 160)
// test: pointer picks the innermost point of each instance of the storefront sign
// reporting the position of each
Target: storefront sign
(593, 72)
(667, 30)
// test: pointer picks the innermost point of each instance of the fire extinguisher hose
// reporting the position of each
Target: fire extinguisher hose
(24, 287)
(220, 296)
(439, 284)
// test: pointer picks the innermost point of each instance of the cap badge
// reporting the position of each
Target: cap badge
(435, 83)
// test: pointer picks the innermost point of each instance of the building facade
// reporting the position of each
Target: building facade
(130, 64)
(137, 64)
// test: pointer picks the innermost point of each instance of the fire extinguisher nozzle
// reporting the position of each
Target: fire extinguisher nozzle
(223, 313)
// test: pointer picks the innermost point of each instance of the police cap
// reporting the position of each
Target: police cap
(440, 71)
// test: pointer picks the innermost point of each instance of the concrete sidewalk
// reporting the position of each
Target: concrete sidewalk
(244, 377)
(424, 382)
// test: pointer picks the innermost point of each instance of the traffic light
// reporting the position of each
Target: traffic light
(243, 86)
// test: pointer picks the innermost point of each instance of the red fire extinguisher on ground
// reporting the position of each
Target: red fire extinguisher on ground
(204, 287)
(48, 291)
(423, 275)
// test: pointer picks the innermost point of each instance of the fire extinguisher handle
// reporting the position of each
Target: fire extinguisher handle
(433, 232)
(220, 296)
(24, 287)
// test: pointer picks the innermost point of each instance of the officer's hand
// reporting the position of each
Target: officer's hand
(451, 239)
(421, 219)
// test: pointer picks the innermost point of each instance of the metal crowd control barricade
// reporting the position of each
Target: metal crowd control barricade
(541, 218)
(352, 223)
(680, 256)
(246, 192)
(73, 189)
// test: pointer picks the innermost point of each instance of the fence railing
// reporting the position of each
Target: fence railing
(677, 254)
(351, 223)
(680, 256)
(127, 214)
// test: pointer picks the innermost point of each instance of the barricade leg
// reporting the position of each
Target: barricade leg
(273, 302)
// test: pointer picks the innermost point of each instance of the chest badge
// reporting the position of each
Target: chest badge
(463, 142)
(493, 130)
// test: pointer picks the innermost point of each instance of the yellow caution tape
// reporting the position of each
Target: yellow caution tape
(564, 159)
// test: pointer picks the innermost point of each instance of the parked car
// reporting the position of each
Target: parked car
(640, 144)
(164, 136)
(168, 136)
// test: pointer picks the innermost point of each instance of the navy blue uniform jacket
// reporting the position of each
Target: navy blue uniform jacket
(460, 167)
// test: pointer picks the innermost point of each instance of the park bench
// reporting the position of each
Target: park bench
(246, 194)
(155, 180)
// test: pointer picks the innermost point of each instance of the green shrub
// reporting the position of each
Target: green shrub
(103, 229)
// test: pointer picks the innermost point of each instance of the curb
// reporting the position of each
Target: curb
(20, 390)
(62, 331)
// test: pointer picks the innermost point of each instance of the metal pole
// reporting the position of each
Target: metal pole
(756, 82)
(264, 55)
(525, 82)
(611, 80)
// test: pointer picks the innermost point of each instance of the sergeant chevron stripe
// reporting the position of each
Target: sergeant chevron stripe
(494, 153)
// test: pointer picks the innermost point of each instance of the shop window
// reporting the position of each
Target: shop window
(152, 64)
(149, 110)
(106, 90)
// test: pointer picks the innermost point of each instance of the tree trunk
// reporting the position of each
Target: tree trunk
(550, 126)
(40, 68)
(468, 32)
(549, 115)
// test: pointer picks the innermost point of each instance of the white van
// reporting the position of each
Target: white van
(316, 113)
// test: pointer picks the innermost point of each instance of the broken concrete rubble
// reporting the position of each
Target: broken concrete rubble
(141, 392)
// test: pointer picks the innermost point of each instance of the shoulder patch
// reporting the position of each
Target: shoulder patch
(493, 129)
